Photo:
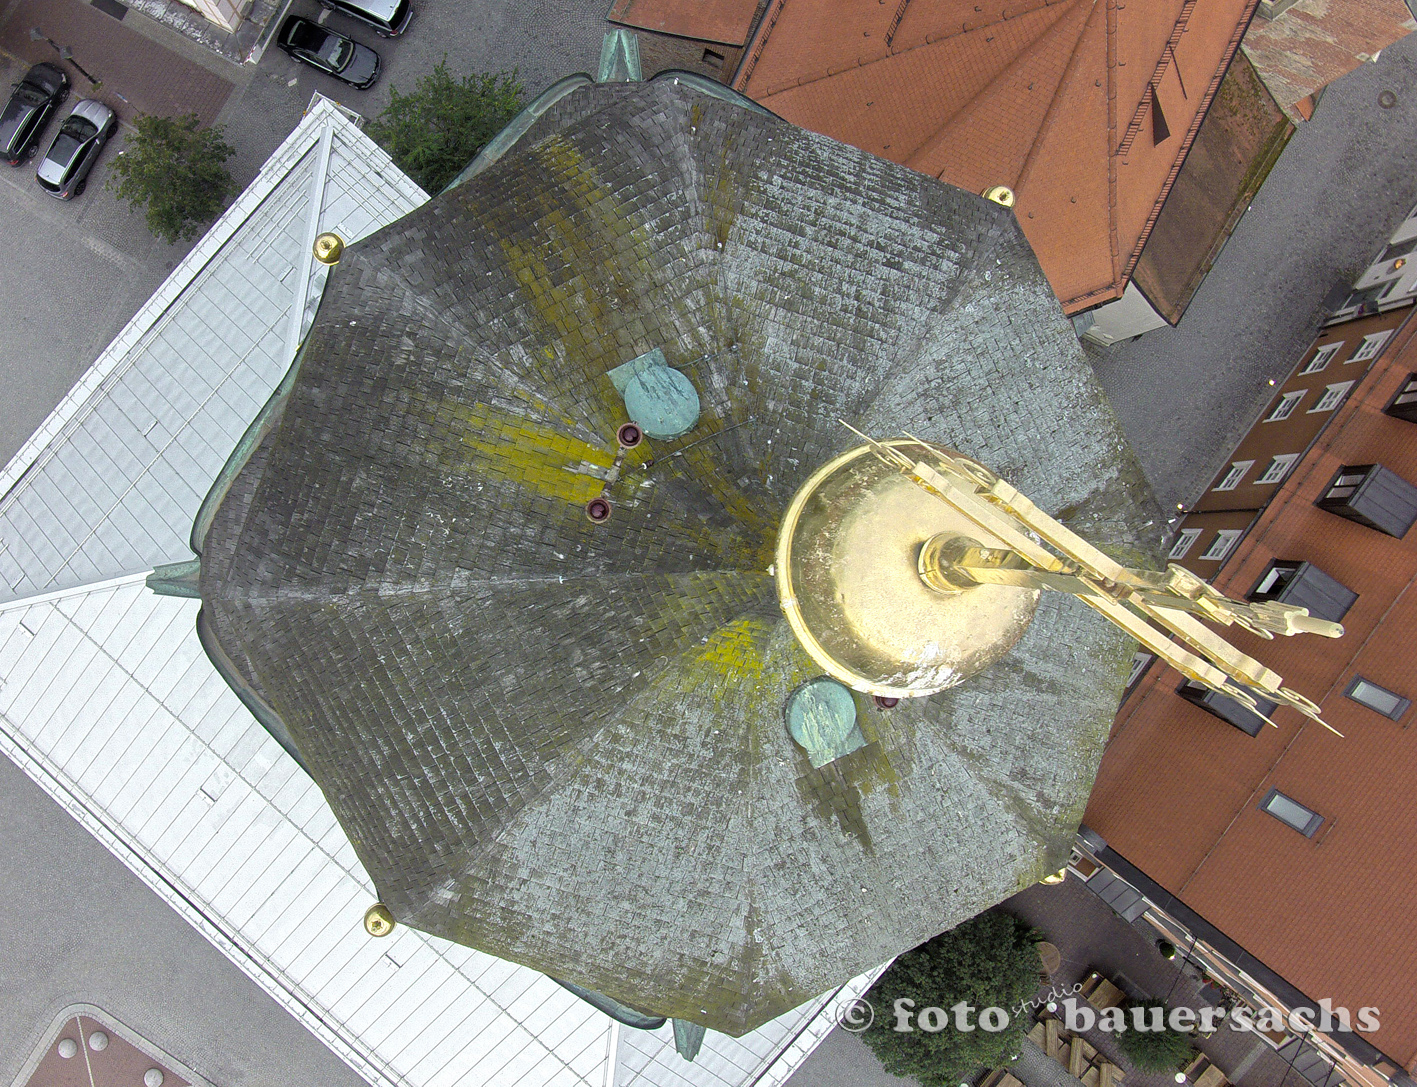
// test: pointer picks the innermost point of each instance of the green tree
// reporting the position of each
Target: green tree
(1163, 1050)
(177, 170)
(990, 961)
(434, 131)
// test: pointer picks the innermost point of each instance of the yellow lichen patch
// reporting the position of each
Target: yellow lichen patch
(561, 263)
(549, 461)
(735, 650)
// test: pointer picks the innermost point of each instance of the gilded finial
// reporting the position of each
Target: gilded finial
(378, 921)
(1014, 544)
(329, 247)
(1000, 194)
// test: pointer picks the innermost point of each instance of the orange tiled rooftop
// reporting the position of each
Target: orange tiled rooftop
(1085, 108)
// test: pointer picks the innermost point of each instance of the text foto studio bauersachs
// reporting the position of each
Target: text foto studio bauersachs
(1079, 1016)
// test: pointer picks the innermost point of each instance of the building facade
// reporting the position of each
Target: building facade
(1390, 282)
(1275, 857)
(1303, 404)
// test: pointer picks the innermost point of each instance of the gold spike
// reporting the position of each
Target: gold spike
(1137, 601)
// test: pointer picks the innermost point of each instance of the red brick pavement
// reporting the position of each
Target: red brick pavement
(114, 1062)
(139, 75)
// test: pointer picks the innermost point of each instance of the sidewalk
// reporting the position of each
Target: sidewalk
(138, 75)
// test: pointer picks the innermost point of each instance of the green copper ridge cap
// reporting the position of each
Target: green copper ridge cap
(182, 579)
(621, 1013)
(688, 1038)
(265, 421)
(712, 87)
(620, 57)
(517, 127)
(264, 714)
(615, 50)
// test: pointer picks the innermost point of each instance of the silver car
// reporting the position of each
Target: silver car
(65, 169)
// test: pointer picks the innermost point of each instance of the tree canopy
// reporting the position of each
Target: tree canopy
(177, 170)
(436, 129)
(1163, 1050)
(990, 961)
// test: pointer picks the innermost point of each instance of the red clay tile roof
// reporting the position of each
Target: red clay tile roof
(1053, 98)
(1179, 790)
(724, 21)
(1316, 41)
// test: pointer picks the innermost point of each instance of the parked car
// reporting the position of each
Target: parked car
(33, 100)
(341, 57)
(65, 169)
(389, 17)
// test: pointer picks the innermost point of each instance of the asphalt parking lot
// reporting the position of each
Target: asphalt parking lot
(72, 273)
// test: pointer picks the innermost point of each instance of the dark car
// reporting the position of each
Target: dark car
(341, 57)
(34, 99)
(65, 169)
(389, 17)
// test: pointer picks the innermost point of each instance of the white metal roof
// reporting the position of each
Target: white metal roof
(110, 482)
(109, 703)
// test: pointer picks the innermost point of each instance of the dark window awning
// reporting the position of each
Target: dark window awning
(1227, 709)
(1306, 586)
(1374, 496)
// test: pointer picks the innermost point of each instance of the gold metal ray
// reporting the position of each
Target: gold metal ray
(1161, 609)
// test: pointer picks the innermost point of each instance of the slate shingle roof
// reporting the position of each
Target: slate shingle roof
(563, 743)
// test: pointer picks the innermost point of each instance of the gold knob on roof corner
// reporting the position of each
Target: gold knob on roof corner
(1001, 195)
(378, 921)
(328, 248)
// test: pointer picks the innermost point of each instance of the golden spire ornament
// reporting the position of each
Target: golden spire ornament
(996, 540)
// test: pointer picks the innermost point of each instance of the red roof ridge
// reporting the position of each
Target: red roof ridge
(1069, 73)
(745, 72)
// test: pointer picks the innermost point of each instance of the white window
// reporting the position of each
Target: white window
(1371, 345)
(1346, 483)
(1285, 408)
(1184, 541)
(1139, 663)
(1288, 810)
(1223, 542)
(1322, 357)
(1408, 395)
(1236, 473)
(1278, 468)
(1332, 397)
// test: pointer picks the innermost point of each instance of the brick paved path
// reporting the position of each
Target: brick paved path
(139, 75)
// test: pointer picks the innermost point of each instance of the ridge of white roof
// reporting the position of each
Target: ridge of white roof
(111, 480)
